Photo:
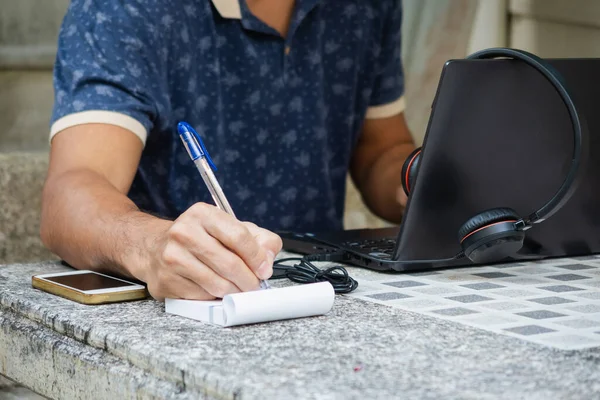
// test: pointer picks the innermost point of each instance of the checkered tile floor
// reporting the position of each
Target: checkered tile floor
(552, 302)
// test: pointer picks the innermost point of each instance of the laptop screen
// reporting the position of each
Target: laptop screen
(500, 136)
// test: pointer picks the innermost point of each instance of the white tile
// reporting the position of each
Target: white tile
(579, 323)
(489, 320)
(411, 304)
(436, 290)
(513, 292)
(569, 341)
(585, 308)
(588, 295)
(534, 270)
(504, 305)
(588, 282)
(523, 280)
(575, 330)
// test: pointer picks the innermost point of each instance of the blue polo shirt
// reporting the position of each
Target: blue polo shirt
(280, 116)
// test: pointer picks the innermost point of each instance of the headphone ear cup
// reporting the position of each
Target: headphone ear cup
(491, 235)
(410, 169)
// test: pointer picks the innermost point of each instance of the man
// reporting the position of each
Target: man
(287, 95)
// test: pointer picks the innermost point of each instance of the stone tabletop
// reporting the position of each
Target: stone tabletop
(361, 349)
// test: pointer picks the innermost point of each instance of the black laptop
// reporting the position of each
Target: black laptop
(498, 136)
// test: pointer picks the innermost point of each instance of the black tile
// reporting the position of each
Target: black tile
(567, 277)
(455, 311)
(469, 298)
(388, 296)
(503, 266)
(560, 288)
(482, 286)
(590, 257)
(528, 330)
(424, 273)
(405, 284)
(541, 314)
(492, 275)
(551, 300)
(574, 267)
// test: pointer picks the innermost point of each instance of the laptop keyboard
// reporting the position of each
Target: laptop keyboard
(380, 248)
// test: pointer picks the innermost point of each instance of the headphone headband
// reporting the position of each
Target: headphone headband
(580, 134)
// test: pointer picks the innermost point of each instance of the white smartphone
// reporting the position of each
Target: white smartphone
(89, 287)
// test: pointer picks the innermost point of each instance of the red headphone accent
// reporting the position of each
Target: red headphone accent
(408, 169)
(487, 226)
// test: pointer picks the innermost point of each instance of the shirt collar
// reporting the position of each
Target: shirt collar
(228, 8)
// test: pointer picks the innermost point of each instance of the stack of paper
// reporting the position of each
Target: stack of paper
(258, 306)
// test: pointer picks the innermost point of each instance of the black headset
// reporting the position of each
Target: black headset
(497, 233)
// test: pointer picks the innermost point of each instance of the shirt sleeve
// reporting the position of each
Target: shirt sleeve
(107, 68)
(387, 96)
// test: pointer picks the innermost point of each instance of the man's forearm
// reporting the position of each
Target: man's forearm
(382, 188)
(89, 224)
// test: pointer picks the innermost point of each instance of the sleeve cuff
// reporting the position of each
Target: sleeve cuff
(100, 117)
(386, 110)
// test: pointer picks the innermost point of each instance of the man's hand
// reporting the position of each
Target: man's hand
(207, 253)
(377, 164)
(88, 220)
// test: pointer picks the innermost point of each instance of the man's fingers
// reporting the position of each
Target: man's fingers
(235, 236)
(268, 241)
(179, 287)
(265, 238)
(198, 252)
(212, 282)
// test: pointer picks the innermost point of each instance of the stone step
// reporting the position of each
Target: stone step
(554, 40)
(9, 390)
(22, 177)
(29, 31)
(573, 12)
(26, 99)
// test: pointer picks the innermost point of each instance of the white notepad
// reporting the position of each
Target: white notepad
(258, 306)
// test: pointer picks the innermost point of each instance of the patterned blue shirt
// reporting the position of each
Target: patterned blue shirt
(280, 116)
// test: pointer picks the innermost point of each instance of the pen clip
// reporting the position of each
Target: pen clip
(200, 143)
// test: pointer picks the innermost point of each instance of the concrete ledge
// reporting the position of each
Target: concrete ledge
(59, 367)
(68, 350)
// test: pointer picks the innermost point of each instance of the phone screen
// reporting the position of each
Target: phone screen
(88, 281)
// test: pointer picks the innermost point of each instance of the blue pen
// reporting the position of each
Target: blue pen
(199, 155)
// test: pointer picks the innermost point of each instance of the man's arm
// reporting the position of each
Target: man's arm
(88, 220)
(109, 88)
(377, 162)
(86, 217)
(385, 140)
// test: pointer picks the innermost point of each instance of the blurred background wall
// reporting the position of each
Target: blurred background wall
(433, 32)
(548, 28)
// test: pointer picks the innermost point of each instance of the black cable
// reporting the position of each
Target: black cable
(306, 272)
